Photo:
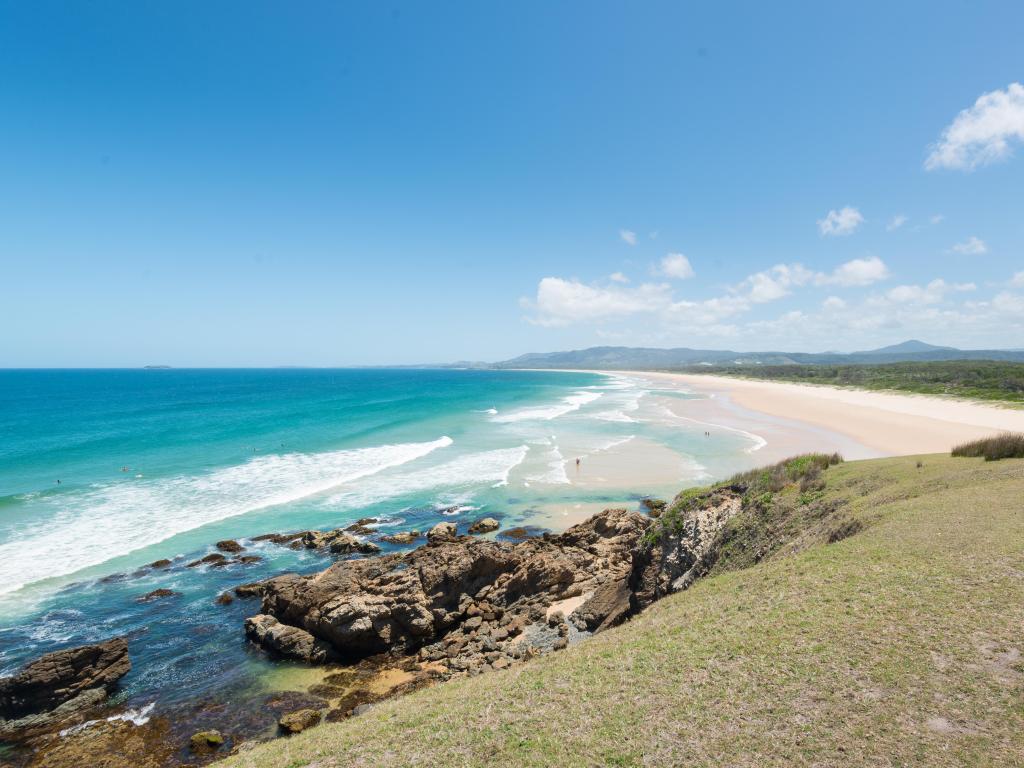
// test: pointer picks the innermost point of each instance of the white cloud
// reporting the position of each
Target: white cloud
(628, 236)
(841, 222)
(618, 277)
(972, 246)
(896, 222)
(933, 293)
(833, 303)
(856, 272)
(937, 218)
(1018, 279)
(677, 266)
(561, 302)
(774, 283)
(983, 133)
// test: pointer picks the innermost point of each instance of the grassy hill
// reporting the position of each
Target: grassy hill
(898, 645)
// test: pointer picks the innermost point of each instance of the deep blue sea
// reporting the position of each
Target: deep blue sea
(104, 471)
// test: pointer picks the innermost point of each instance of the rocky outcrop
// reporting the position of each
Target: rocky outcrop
(58, 685)
(337, 541)
(684, 550)
(484, 525)
(442, 532)
(230, 546)
(402, 602)
(288, 641)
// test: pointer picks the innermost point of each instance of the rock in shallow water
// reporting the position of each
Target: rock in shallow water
(205, 742)
(56, 686)
(290, 642)
(485, 525)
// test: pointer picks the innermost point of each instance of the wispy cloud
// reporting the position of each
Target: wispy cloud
(628, 236)
(1018, 279)
(896, 222)
(842, 222)
(618, 277)
(972, 246)
(676, 266)
(982, 133)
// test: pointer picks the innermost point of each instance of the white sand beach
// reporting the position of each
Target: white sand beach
(881, 423)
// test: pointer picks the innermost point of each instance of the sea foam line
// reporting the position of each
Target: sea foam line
(568, 404)
(473, 470)
(100, 524)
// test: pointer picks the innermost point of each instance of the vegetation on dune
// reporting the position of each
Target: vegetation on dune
(898, 646)
(974, 379)
(1009, 445)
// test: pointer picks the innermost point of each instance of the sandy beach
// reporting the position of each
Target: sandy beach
(881, 423)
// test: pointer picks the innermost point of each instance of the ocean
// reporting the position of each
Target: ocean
(105, 471)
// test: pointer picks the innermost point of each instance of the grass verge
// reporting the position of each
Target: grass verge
(899, 644)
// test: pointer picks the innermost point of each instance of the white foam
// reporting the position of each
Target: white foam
(133, 716)
(613, 444)
(555, 472)
(472, 470)
(97, 525)
(568, 404)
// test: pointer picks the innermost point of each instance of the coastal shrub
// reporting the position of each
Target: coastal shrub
(758, 488)
(1008, 445)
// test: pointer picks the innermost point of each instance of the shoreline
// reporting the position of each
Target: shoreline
(887, 424)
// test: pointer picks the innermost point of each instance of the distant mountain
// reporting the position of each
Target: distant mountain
(639, 358)
(912, 346)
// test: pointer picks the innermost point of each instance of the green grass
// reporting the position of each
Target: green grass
(899, 645)
(972, 379)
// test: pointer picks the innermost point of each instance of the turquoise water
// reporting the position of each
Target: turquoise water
(102, 472)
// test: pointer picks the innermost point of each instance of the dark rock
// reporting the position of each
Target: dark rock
(59, 684)
(608, 606)
(224, 598)
(522, 533)
(248, 559)
(484, 525)
(290, 642)
(215, 560)
(297, 722)
(654, 507)
(156, 594)
(163, 563)
(205, 742)
(404, 537)
(362, 526)
(229, 545)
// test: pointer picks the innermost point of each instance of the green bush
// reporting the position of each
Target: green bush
(1009, 445)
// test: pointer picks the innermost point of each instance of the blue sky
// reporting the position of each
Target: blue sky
(326, 183)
